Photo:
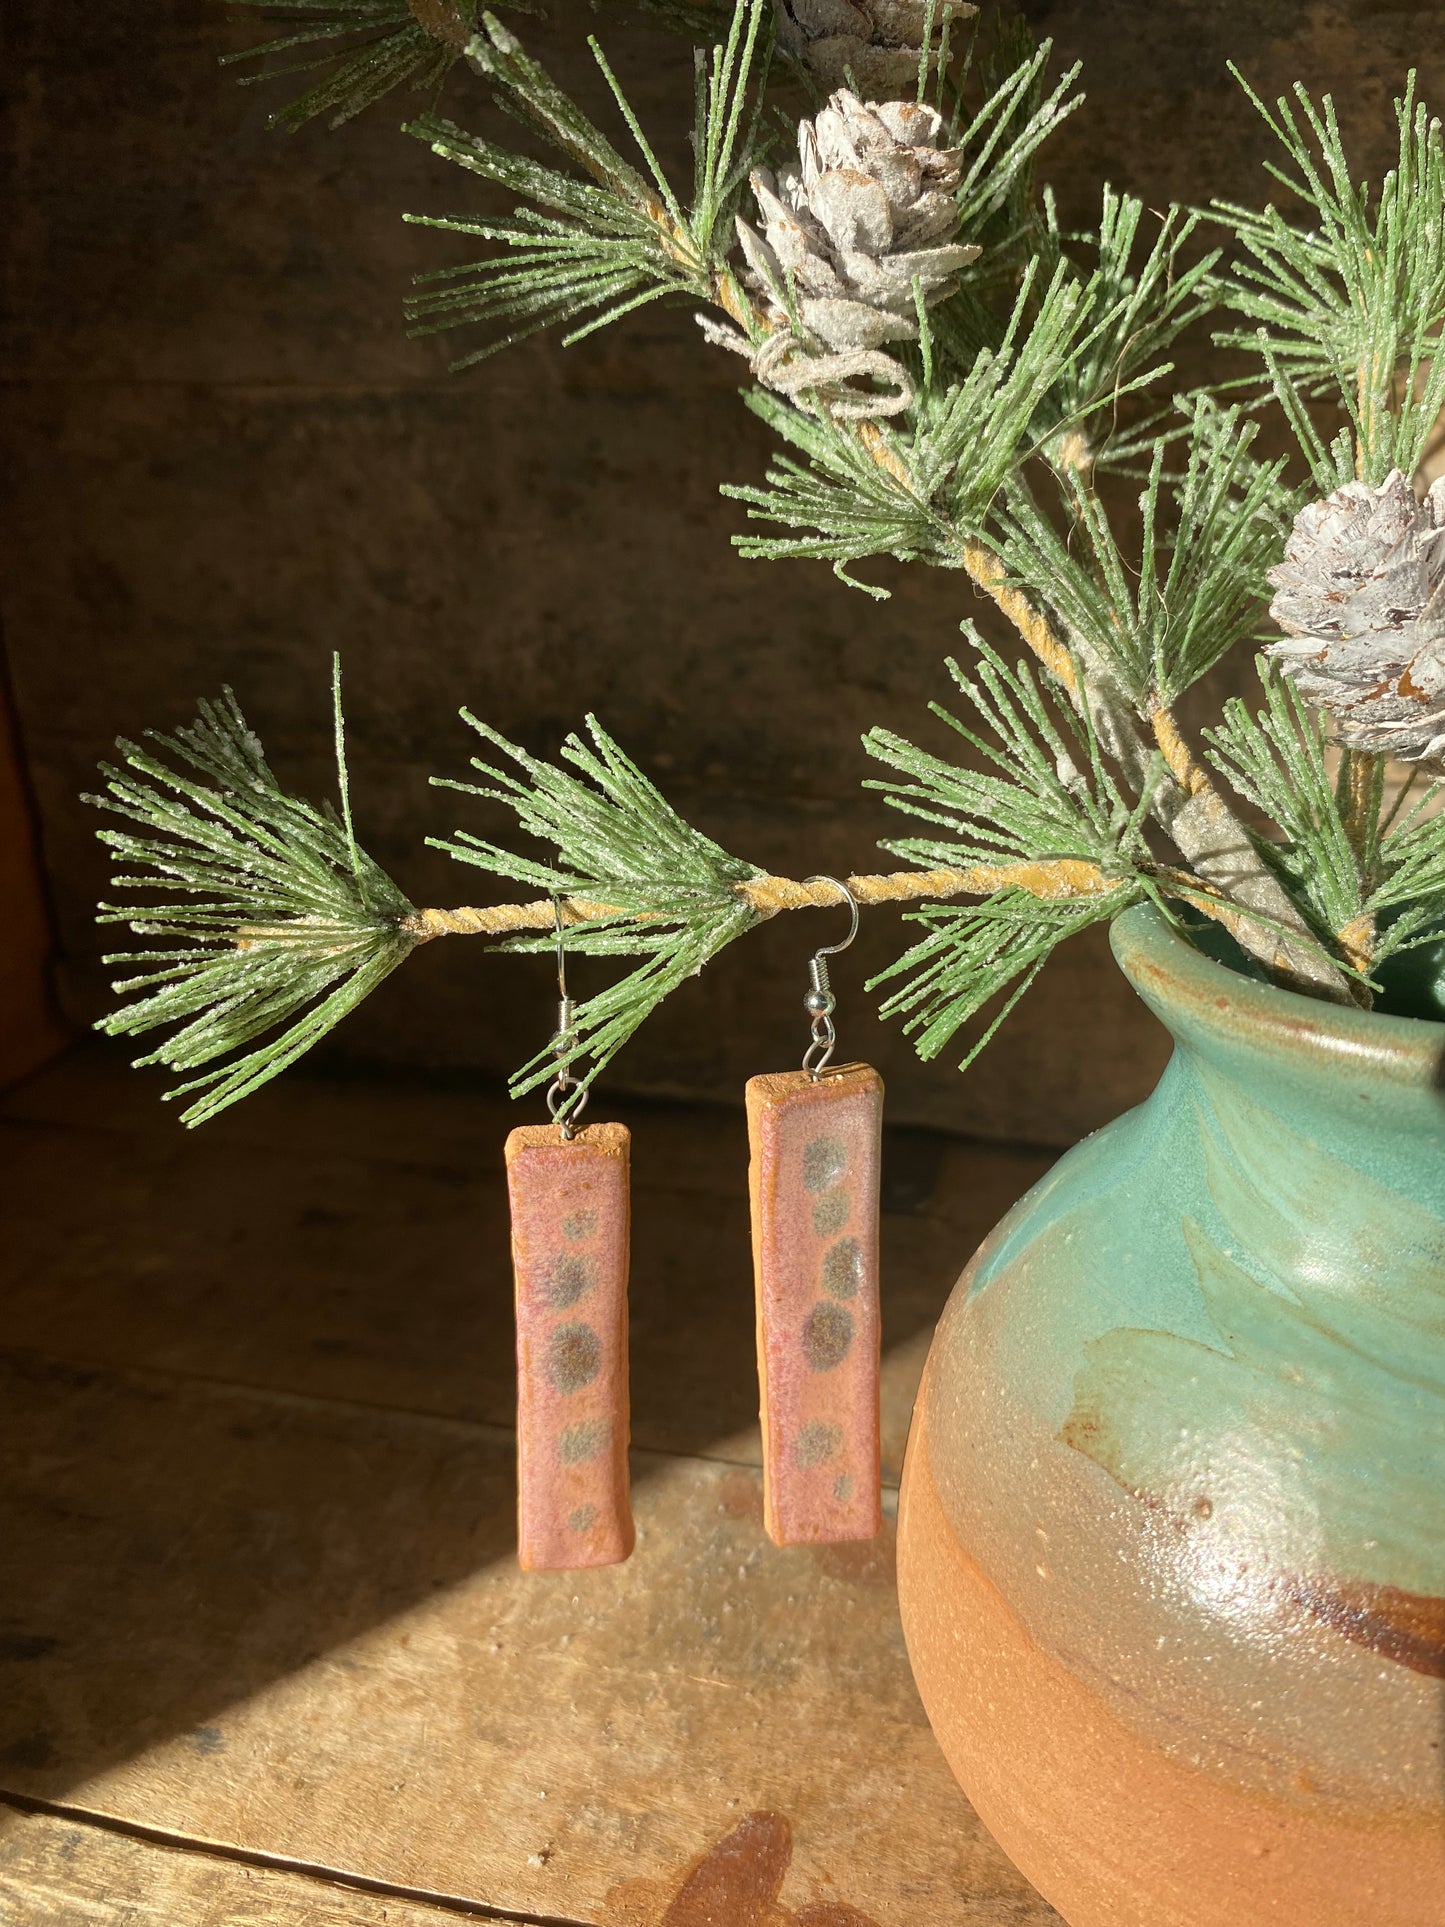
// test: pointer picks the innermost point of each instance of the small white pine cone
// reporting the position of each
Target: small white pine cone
(867, 212)
(1360, 595)
(877, 42)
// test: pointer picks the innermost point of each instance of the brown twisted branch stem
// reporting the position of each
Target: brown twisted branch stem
(1050, 878)
(1183, 764)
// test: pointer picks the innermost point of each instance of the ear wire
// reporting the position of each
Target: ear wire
(819, 1001)
(563, 1040)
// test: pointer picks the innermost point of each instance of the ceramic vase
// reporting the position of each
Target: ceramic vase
(1172, 1532)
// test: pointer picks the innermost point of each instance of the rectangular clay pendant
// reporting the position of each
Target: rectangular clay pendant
(569, 1253)
(813, 1182)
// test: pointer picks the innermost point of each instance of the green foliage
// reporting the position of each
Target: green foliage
(670, 892)
(599, 260)
(366, 49)
(1001, 140)
(585, 253)
(1277, 761)
(1045, 791)
(975, 951)
(1139, 309)
(363, 49)
(1409, 899)
(1196, 589)
(1396, 875)
(1349, 303)
(1072, 348)
(728, 137)
(962, 445)
(847, 504)
(289, 922)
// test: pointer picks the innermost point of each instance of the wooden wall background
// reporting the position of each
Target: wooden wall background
(226, 460)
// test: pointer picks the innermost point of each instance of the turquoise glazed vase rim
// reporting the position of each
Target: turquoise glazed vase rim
(1214, 1008)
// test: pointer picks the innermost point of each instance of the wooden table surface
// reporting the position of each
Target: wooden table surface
(265, 1655)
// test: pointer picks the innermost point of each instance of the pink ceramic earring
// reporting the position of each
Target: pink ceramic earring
(814, 1136)
(569, 1195)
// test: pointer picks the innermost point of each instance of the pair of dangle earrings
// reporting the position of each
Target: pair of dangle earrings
(813, 1179)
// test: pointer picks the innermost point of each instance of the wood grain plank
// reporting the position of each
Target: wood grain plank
(357, 1248)
(297, 1629)
(61, 1872)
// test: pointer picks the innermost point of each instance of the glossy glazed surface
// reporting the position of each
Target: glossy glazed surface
(1182, 1436)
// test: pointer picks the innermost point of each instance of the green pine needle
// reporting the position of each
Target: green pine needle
(1348, 303)
(1408, 902)
(580, 254)
(1002, 139)
(387, 44)
(1139, 305)
(963, 443)
(1198, 586)
(1044, 791)
(288, 923)
(1277, 760)
(619, 843)
(1045, 788)
(975, 951)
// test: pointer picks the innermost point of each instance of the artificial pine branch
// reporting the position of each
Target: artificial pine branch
(631, 878)
(1051, 878)
(1163, 623)
(666, 892)
(1350, 302)
(363, 49)
(977, 952)
(366, 49)
(1001, 140)
(585, 253)
(1142, 308)
(1032, 799)
(932, 451)
(288, 923)
(594, 258)
(1374, 887)
(1277, 759)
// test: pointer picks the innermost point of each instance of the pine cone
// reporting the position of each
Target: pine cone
(878, 42)
(1361, 596)
(866, 213)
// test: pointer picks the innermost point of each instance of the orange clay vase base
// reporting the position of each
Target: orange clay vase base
(1111, 1827)
(813, 1182)
(570, 1227)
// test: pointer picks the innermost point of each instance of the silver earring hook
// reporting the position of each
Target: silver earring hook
(562, 1041)
(819, 1001)
(561, 950)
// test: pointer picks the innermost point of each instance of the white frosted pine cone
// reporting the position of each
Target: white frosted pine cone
(1360, 595)
(878, 42)
(865, 213)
